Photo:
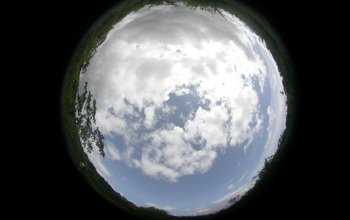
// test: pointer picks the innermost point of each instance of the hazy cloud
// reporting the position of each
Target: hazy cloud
(95, 158)
(166, 208)
(235, 194)
(231, 186)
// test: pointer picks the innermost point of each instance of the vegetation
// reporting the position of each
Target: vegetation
(78, 111)
(85, 117)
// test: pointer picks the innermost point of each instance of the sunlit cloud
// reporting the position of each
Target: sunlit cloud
(151, 58)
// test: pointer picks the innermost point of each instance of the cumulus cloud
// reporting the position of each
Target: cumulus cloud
(169, 155)
(157, 52)
(149, 117)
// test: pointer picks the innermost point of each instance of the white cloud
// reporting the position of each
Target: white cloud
(112, 151)
(170, 156)
(231, 186)
(235, 194)
(95, 159)
(210, 126)
(242, 177)
(149, 117)
(198, 212)
(166, 208)
(151, 54)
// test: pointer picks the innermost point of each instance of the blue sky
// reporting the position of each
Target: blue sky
(189, 110)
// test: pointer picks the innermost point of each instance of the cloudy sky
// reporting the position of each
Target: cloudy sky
(189, 104)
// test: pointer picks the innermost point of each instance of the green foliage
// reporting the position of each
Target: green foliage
(78, 111)
(85, 118)
(74, 109)
(99, 137)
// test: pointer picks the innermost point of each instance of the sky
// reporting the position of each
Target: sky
(190, 105)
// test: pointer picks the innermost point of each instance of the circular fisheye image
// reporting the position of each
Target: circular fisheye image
(177, 108)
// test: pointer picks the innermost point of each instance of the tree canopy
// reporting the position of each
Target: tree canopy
(86, 121)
